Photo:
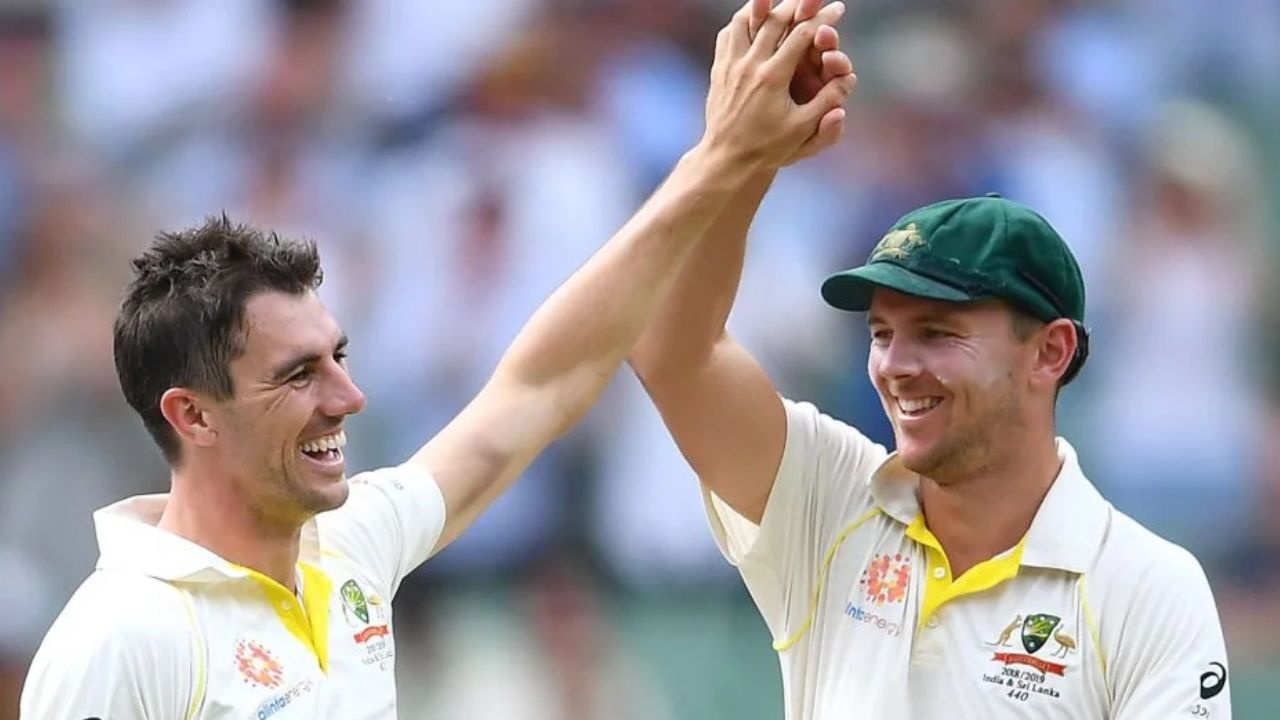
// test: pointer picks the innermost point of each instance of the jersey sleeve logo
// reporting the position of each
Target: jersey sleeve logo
(1212, 682)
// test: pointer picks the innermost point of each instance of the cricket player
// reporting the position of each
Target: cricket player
(974, 573)
(261, 585)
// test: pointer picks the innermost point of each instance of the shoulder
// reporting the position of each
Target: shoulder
(819, 438)
(119, 613)
(390, 523)
(1134, 557)
(1143, 581)
(120, 648)
(395, 482)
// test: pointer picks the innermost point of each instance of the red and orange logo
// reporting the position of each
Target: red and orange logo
(257, 665)
(886, 579)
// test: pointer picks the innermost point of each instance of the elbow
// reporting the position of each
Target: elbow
(646, 360)
(664, 370)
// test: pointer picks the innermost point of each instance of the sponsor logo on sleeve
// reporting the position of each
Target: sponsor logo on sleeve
(1212, 681)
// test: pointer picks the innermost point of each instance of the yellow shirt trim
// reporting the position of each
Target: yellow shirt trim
(1093, 627)
(202, 671)
(780, 645)
(309, 623)
(940, 588)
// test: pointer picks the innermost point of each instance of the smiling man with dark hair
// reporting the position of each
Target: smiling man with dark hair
(261, 585)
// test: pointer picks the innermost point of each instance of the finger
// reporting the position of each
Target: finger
(759, 11)
(831, 130)
(830, 14)
(738, 31)
(831, 126)
(835, 64)
(832, 96)
(775, 26)
(827, 38)
(805, 10)
(794, 48)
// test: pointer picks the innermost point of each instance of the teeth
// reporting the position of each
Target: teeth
(335, 441)
(916, 405)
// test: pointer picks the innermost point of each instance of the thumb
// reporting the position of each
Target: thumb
(830, 130)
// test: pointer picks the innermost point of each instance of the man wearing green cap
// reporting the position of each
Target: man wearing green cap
(975, 572)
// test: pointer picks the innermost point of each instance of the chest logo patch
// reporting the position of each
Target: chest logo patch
(370, 616)
(257, 665)
(1033, 632)
(1036, 630)
(886, 579)
(354, 603)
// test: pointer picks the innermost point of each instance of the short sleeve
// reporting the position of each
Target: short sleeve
(117, 651)
(823, 483)
(1170, 658)
(389, 524)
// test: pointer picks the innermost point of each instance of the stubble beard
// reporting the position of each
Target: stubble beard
(969, 450)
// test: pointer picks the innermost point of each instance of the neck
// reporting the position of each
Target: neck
(980, 516)
(212, 514)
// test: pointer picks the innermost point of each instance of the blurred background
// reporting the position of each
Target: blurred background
(455, 161)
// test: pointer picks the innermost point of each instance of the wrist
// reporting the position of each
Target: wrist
(723, 167)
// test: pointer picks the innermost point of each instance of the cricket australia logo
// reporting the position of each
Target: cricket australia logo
(354, 604)
(897, 244)
(1034, 631)
(371, 615)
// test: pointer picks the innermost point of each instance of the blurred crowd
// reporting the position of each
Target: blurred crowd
(455, 161)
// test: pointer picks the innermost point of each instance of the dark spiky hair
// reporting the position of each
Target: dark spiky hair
(182, 319)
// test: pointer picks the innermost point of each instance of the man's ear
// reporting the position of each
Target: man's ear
(1055, 348)
(188, 414)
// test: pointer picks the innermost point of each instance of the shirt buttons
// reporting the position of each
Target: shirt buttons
(932, 622)
(939, 572)
(285, 605)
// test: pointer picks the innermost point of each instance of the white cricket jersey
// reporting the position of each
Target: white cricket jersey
(164, 629)
(1089, 616)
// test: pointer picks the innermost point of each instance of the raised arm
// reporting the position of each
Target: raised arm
(566, 353)
(719, 405)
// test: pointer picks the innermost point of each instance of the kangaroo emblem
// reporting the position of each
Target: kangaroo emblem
(1007, 632)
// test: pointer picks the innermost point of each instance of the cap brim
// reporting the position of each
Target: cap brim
(852, 289)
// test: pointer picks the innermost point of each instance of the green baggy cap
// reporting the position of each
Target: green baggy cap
(972, 249)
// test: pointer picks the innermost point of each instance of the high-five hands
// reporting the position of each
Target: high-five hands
(778, 83)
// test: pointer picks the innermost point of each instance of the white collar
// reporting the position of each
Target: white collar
(128, 539)
(1068, 528)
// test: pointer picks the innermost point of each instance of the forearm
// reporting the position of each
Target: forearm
(693, 317)
(579, 337)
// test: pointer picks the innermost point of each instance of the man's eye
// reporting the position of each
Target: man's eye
(300, 377)
(935, 333)
(341, 358)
